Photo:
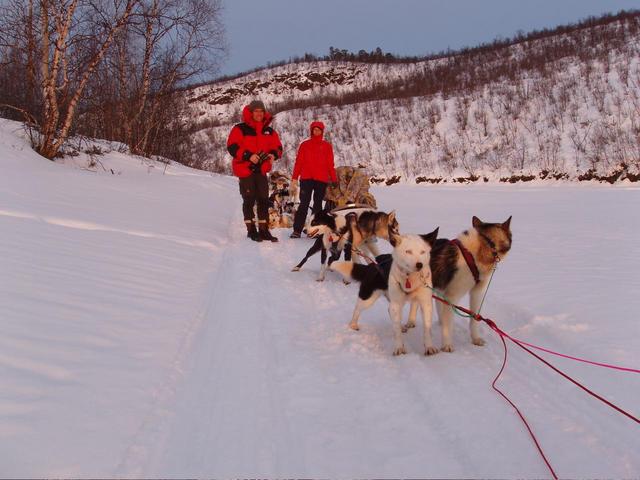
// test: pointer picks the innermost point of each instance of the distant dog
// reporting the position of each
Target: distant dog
(284, 192)
(281, 201)
(333, 234)
(464, 266)
(279, 220)
(402, 276)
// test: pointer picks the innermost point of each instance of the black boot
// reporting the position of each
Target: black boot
(252, 233)
(265, 234)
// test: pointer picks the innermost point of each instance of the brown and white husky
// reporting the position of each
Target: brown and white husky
(464, 266)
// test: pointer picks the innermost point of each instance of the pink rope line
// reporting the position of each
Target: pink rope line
(520, 414)
(493, 326)
(523, 345)
(578, 359)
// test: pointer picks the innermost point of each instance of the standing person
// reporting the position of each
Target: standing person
(254, 146)
(314, 167)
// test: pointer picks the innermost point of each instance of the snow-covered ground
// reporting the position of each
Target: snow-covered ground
(142, 335)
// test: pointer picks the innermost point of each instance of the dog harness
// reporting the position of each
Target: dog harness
(471, 263)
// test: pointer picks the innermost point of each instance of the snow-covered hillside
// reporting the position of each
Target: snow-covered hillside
(144, 336)
(564, 117)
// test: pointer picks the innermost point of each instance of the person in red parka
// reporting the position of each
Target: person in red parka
(314, 167)
(254, 146)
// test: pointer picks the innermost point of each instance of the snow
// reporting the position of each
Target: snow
(143, 335)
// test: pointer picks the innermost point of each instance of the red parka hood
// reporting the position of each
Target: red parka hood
(247, 117)
(313, 125)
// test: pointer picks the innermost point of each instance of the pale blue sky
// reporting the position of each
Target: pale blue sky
(260, 31)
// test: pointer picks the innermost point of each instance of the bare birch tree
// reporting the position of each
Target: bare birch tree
(166, 44)
(60, 44)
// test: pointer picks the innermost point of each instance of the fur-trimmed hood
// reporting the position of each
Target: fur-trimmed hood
(247, 118)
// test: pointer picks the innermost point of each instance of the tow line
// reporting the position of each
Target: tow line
(523, 345)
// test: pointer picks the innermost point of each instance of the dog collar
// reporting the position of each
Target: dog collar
(468, 257)
(408, 285)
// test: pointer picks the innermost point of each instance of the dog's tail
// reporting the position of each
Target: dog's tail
(350, 270)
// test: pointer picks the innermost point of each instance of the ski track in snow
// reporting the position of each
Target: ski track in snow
(138, 452)
(277, 385)
(229, 401)
(143, 335)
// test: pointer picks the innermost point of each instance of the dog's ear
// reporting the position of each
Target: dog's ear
(476, 222)
(392, 216)
(507, 225)
(430, 238)
(395, 240)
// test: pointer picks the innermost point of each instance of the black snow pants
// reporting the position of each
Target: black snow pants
(255, 189)
(307, 189)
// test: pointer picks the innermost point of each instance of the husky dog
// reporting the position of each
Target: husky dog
(353, 231)
(281, 200)
(279, 220)
(332, 234)
(402, 276)
(284, 192)
(464, 266)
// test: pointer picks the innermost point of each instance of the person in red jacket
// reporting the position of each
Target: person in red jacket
(314, 167)
(254, 146)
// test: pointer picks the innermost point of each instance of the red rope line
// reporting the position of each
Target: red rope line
(520, 344)
(533, 436)
(557, 370)
(578, 359)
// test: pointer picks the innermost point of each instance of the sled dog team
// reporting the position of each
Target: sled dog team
(417, 264)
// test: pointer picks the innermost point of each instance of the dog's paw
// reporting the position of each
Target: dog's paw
(346, 282)
(407, 326)
(399, 351)
(354, 326)
(447, 348)
(430, 351)
(478, 341)
(295, 269)
(320, 279)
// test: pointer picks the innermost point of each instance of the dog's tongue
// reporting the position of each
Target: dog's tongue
(407, 284)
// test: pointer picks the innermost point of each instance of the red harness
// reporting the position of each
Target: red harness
(471, 263)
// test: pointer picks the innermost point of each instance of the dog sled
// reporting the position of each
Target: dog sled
(352, 189)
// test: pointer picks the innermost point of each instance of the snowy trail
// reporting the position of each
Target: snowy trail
(247, 405)
(278, 386)
(142, 335)
(230, 404)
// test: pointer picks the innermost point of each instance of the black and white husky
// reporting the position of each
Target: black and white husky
(404, 275)
(335, 234)
(463, 266)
